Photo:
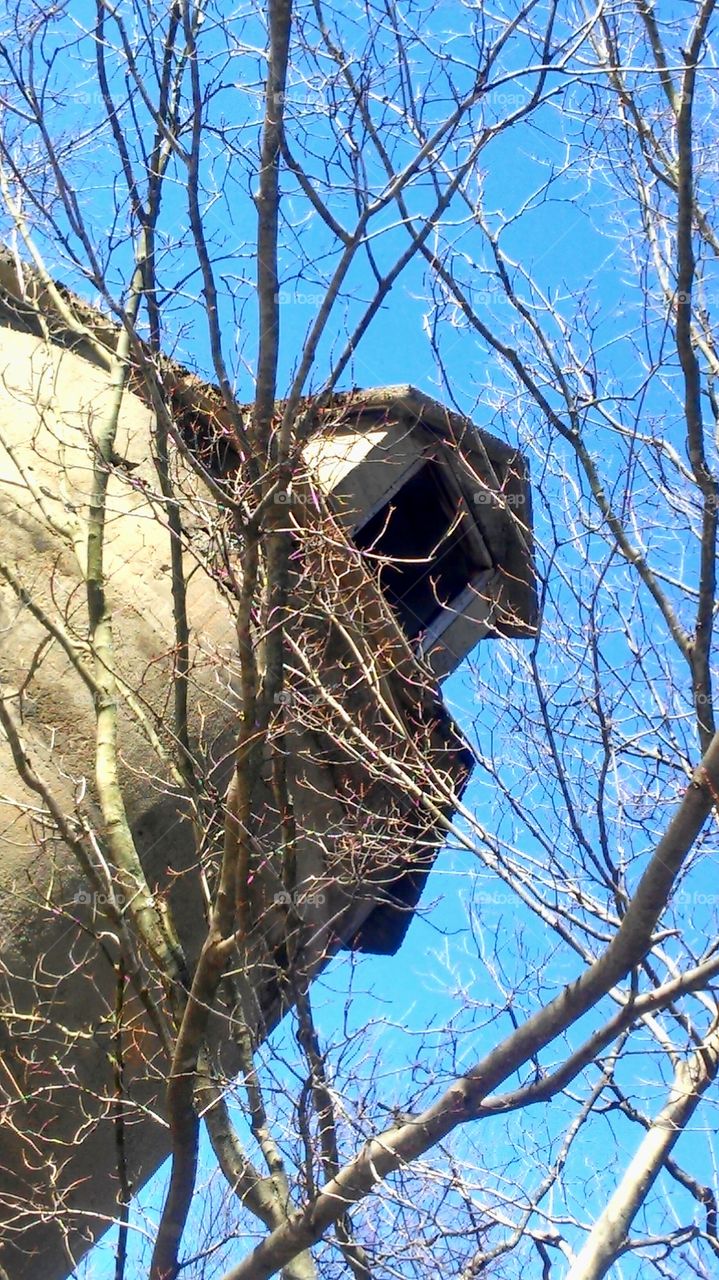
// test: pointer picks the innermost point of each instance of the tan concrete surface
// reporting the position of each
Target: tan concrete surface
(57, 981)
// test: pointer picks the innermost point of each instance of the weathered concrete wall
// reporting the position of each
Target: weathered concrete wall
(59, 986)
(58, 982)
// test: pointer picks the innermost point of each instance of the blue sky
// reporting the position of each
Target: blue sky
(574, 241)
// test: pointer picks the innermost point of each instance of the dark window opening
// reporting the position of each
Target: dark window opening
(431, 559)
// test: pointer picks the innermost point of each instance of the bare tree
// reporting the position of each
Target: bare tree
(195, 644)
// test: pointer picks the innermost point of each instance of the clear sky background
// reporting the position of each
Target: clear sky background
(375, 1013)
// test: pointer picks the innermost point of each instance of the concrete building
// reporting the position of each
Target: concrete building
(438, 557)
